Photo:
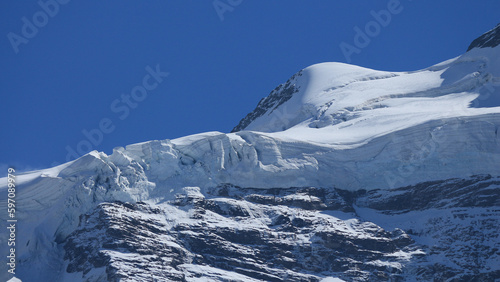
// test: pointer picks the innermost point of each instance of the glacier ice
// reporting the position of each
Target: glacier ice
(331, 126)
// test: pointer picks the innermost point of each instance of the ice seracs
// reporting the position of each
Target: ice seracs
(316, 169)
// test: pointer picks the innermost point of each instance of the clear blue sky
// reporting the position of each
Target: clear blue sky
(69, 74)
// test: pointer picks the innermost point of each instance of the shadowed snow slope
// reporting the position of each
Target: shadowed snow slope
(334, 130)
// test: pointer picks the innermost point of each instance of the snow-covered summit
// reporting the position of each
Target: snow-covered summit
(335, 103)
(333, 137)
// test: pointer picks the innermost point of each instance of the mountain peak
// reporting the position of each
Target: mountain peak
(355, 100)
(488, 39)
(342, 171)
(306, 95)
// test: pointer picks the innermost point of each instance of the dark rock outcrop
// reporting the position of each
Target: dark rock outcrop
(431, 231)
(489, 39)
(277, 97)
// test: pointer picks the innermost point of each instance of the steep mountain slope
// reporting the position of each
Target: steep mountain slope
(341, 172)
(489, 39)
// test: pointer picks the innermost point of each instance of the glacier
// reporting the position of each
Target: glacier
(327, 155)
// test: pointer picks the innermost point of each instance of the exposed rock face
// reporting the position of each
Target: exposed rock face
(341, 172)
(297, 234)
(452, 193)
(277, 97)
(130, 241)
(489, 39)
(457, 223)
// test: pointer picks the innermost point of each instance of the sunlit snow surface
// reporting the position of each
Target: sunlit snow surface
(347, 127)
(344, 104)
